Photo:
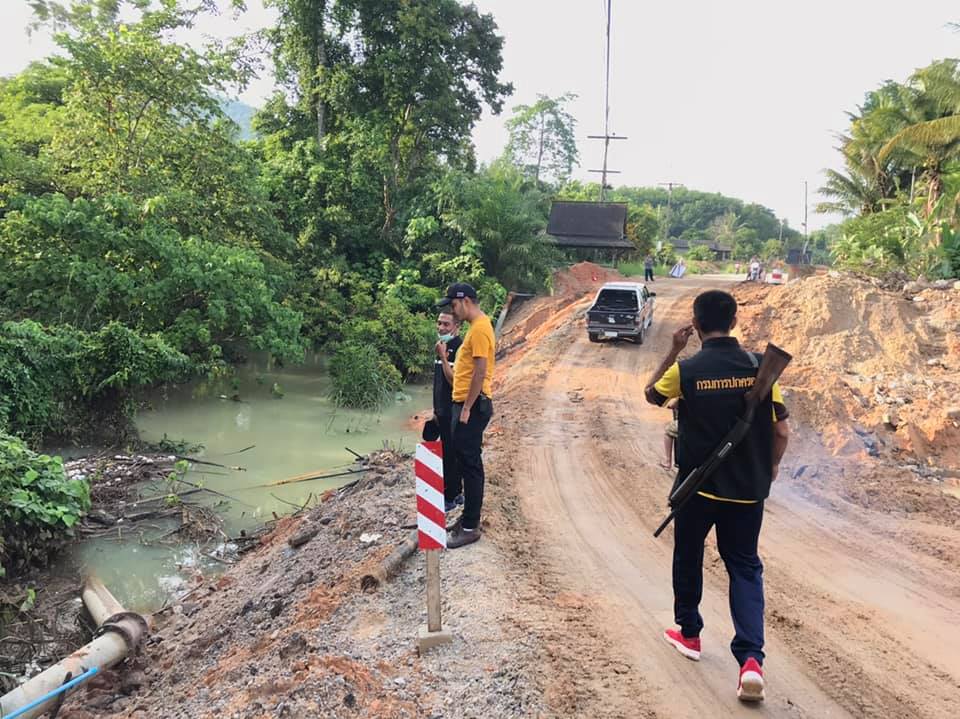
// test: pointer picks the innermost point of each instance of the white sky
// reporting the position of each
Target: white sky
(741, 97)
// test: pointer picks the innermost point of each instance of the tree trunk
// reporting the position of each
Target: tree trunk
(540, 151)
(321, 105)
(936, 187)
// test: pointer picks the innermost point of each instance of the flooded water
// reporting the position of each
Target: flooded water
(297, 433)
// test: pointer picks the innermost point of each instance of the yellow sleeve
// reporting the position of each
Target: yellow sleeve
(482, 344)
(668, 386)
(779, 408)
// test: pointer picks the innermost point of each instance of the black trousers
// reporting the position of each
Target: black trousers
(738, 529)
(452, 482)
(647, 274)
(468, 446)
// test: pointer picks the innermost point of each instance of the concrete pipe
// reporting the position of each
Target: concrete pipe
(119, 633)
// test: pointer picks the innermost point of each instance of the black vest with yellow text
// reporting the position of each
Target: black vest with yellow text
(712, 385)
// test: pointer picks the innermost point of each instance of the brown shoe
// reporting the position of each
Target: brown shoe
(460, 537)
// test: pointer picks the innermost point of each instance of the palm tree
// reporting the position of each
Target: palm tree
(932, 140)
(869, 181)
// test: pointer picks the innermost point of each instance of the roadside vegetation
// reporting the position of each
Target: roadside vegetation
(901, 180)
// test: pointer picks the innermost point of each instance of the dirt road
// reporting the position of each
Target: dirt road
(858, 623)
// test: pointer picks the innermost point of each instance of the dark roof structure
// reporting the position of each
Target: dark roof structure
(592, 225)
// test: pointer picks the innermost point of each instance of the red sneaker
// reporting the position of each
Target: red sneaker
(690, 648)
(750, 688)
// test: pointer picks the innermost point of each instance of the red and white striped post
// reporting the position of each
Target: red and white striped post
(431, 535)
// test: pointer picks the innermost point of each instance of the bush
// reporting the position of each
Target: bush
(63, 382)
(89, 262)
(363, 378)
(39, 505)
(405, 339)
(666, 255)
(701, 253)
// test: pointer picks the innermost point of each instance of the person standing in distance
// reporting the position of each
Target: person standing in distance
(472, 406)
(448, 342)
(648, 268)
(710, 386)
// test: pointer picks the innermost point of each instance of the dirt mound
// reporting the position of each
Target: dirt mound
(872, 370)
(581, 278)
(531, 321)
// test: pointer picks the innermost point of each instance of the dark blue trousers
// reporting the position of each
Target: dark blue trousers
(738, 529)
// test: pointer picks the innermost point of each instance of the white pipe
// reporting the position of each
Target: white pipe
(118, 638)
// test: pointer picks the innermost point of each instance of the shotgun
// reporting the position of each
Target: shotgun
(774, 361)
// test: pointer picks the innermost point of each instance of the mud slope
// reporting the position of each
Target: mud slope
(858, 623)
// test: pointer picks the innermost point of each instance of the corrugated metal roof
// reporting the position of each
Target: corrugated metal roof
(589, 224)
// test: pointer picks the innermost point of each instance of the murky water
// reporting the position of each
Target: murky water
(297, 433)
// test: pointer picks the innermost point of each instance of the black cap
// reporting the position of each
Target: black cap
(457, 291)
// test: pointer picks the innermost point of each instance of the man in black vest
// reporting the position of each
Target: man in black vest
(448, 342)
(710, 388)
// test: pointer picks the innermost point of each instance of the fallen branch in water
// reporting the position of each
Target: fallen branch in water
(240, 451)
(194, 460)
(308, 477)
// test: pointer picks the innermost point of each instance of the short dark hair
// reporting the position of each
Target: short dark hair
(715, 311)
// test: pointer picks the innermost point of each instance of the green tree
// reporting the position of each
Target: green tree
(700, 252)
(643, 227)
(542, 138)
(932, 138)
(772, 250)
(500, 217)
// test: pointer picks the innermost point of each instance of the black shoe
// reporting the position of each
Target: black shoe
(460, 537)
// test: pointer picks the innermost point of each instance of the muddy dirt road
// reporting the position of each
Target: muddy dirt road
(858, 624)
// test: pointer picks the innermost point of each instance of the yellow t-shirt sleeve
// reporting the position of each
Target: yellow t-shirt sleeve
(482, 345)
(779, 407)
(668, 386)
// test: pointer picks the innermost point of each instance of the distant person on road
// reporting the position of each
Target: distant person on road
(754, 275)
(448, 342)
(670, 436)
(712, 384)
(472, 406)
(648, 263)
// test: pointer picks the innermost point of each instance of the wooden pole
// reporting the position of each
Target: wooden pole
(433, 590)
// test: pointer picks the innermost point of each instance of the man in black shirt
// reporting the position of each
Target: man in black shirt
(448, 342)
(710, 388)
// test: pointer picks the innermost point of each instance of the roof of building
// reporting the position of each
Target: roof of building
(601, 225)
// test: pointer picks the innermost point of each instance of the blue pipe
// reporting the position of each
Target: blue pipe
(50, 695)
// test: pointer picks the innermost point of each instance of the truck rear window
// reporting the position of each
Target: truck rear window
(617, 300)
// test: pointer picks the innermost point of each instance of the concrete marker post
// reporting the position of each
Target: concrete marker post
(431, 537)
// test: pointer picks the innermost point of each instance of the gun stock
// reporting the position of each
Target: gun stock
(774, 361)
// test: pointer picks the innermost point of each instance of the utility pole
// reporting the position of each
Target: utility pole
(806, 235)
(666, 223)
(606, 136)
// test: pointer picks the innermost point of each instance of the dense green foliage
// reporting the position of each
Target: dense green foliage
(901, 182)
(52, 380)
(39, 505)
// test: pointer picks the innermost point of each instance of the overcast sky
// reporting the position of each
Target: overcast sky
(741, 97)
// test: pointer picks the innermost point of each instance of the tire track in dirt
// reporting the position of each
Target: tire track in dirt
(843, 629)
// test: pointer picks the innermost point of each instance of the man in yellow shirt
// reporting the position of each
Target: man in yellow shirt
(710, 388)
(472, 406)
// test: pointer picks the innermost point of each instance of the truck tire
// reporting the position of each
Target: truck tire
(594, 336)
(640, 335)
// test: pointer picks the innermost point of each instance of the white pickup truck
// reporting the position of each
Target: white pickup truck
(621, 309)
